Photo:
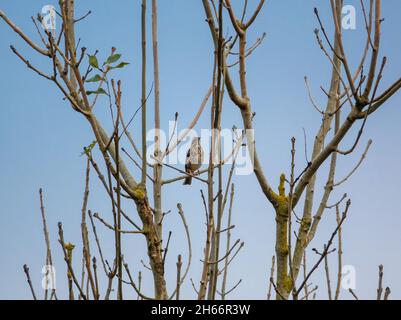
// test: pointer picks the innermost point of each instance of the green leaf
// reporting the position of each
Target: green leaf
(93, 62)
(113, 58)
(96, 78)
(98, 91)
(121, 65)
(88, 149)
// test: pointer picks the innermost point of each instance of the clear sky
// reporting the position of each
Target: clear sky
(41, 140)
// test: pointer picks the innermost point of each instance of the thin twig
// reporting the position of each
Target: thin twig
(134, 285)
(327, 271)
(28, 278)
(327, 247)
(386, 293)
(109, 226)
(68, 260)
(179, 265)
(353, 294)
(184, 222)
(49, 260)
(339, 253)
(269, 291)
(380, 285)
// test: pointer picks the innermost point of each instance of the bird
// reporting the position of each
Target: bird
(194, 159)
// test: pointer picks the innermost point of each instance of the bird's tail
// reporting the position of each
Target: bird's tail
(188, 181)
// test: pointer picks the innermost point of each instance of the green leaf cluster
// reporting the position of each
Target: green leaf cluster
(112, 62)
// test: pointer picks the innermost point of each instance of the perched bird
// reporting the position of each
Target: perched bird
(194, 159)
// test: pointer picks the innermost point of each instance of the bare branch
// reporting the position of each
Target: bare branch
(23, 35)
(269, 291)
(28, 279)
(327, 247)
(380, 285)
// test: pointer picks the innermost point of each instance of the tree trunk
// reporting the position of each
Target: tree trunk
(283, 280)
(154, 246)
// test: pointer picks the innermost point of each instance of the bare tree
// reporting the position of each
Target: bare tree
(75, 78)
(354, 89)
(83, 78)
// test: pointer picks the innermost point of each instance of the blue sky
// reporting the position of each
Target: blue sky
(42, 138)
